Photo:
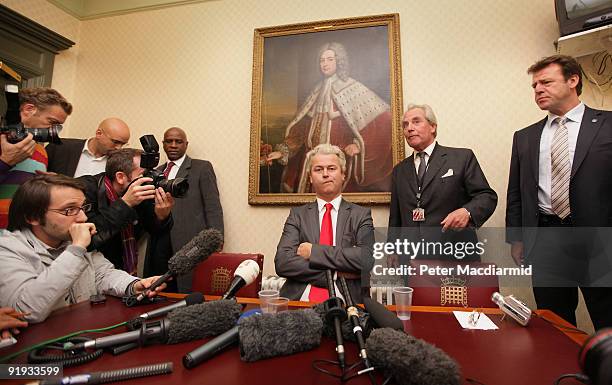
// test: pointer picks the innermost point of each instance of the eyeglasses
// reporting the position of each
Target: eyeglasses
(72, 211)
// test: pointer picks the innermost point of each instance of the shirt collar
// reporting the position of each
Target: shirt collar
(428, 150)
(335, 202)
(574, 115)
(179, 161)
(86, 150)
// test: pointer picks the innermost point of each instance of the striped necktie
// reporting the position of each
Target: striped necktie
(560, 170)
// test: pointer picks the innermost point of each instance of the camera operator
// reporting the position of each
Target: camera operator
(125, 206)
(19, 162)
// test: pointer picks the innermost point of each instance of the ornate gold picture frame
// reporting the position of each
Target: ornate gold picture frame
(332, 81)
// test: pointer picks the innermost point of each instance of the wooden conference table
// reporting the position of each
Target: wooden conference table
(537, 354)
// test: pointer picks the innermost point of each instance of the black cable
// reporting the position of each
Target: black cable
(71, 358)
(577, 376)
(563, 327)
(315, 366)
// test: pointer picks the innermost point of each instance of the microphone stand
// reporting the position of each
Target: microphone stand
(357, 330)
(334, 312)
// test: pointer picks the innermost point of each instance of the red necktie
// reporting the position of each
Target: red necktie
(168, 168)
(326, 237)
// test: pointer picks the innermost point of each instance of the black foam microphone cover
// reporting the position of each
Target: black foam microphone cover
(411, 361)
(271, 335)
(380, 316)
(202, 320)
(186, 259)
(193, 252)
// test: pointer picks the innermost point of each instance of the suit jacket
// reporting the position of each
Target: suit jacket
(199, 209)
(441, 194)
(352, 253)
(590, 179)
(64, 158)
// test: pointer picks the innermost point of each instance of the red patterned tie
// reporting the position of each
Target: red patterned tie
(168, 168)
(318, 294)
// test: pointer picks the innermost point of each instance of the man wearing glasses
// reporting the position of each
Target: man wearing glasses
(78, 157)
(44, 257)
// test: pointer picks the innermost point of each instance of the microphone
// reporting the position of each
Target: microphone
(335, 314)
(214, 346)
(380, 316)
(182, 325)
(245, 274)
(595, 358)
(112, 375)
(357, 330)
(411, 361)
(191, 299)
(183, 261)
(271, 335)
(512, 307)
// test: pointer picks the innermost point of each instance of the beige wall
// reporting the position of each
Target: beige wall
(191, 66)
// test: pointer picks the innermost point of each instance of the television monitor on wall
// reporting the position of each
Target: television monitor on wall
(580, 15)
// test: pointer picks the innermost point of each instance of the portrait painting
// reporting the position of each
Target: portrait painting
(336, 82)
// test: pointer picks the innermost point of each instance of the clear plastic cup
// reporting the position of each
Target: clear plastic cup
(403, 300)
(264, 299)
(276, 305)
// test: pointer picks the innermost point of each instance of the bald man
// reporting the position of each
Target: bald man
(199, 209)
(78, 157)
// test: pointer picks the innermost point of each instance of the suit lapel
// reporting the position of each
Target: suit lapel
(436, 161)
(312, 222)
(533, 144)
(183, 171)
(343, 214)
(75, 157)
(591, 122)
(412, 177)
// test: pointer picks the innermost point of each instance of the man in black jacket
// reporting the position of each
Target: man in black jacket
(78, 157)
(559, 209)
(125, 206)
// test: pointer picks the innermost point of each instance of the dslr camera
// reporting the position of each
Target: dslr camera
(10, 121)
(149, 159)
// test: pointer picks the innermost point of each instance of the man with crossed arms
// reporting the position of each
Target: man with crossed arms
(329, 234)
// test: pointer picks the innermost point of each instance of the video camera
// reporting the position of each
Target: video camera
(149, 159)
(10, 120)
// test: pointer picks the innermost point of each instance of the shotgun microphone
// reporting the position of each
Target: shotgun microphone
(335, 314)
(411, 361)
(186, 259)
(182, 325)
(192, 299)
(112, 375)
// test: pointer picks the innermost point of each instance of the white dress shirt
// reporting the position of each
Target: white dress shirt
(574, 119)
(177, 164)
(89, 164)
(428, 151)
(334, 217)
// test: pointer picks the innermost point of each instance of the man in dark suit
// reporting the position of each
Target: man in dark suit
(329, 234)
(437, 188)
(78, 157)
(560, 186)
(198, 210)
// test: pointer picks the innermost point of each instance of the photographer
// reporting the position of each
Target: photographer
(124, 206)
(19, 162)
